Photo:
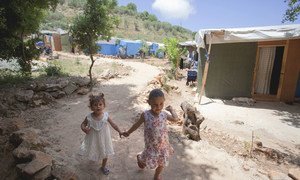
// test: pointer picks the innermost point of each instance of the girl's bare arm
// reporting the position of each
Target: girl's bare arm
(84, 126)
(136, 125)
(173, 116)
(114, 125)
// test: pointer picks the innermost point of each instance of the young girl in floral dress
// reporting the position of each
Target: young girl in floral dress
(157, 147)
(97, 144)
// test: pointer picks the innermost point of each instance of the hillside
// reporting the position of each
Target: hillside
(132, 24)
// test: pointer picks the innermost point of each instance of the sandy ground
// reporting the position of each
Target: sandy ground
(275, 124)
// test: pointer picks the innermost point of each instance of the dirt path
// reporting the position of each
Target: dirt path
(192, 160)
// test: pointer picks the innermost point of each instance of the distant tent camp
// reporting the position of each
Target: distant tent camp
(124, 48)
(258, 62)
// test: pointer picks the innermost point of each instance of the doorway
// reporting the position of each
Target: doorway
(267, 73)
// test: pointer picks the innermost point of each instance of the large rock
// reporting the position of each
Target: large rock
(70, 88)
(82, 82)
(42, 98)
(24, 95)
(107, 74)
(22, 155)
(43, 174)
(58, 94)
(52, 87)
(39, 161)
(63, 83)
(7, 127)
(29, 135)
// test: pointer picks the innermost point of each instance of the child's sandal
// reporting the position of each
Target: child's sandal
(104, 170)
(140, 164)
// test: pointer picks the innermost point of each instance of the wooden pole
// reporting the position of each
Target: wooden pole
(205, 70)
(199, 71)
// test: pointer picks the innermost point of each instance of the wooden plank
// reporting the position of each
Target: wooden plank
(263, 97)
(283, 67)
(272, 43)
(205, 70)
(291, 73)
(255, 71)
(204, 80)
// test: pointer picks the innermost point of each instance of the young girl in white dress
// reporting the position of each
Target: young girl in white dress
(97, 144)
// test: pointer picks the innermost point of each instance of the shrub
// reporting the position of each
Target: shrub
(53, 70)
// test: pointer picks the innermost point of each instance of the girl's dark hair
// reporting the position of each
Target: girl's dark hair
(96, 99)
(156, 93)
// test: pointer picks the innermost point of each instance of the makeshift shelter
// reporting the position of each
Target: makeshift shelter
(108, 47)
(258, 62)
(191, 47)
(132, 47)
(153, 48)
(54, 38)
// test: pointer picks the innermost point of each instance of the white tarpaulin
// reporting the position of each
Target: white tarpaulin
(188, 43)
(250, 34)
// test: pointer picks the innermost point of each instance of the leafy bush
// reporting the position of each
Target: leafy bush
(53, 70)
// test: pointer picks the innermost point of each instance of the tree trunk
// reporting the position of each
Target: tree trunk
(90, 70)
(24, 64)
(192, 121)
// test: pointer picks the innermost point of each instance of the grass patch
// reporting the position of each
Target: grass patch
(12, 77)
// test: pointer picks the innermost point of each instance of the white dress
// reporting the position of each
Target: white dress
(97, 144)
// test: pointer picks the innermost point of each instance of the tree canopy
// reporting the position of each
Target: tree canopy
(132, 7)
(293, 11)
(96, 22)
(18, 19)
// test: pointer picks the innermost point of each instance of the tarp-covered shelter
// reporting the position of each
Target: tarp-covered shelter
(153, 48)
(258, 62)
(108, 47)
(191, 47)
(132, 47)
(54, 38)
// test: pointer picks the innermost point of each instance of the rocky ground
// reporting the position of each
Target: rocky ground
(40, 130)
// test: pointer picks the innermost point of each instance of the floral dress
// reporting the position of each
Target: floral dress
(157, 147)
(97, 144)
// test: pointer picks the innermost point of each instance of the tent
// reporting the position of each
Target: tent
(191, 47)
(153, 48)
(55, 39)
(258, 62)
(108, 47)
(132, 47)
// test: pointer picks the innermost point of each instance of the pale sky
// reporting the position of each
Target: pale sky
(208, 14)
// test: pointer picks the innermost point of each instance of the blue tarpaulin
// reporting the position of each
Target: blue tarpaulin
(107, 49)
(153, 48)
(132, 47)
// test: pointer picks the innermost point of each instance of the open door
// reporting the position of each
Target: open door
(268, 72)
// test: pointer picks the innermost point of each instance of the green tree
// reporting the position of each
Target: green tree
(293, 11)
(144, 49)
(18, 20)
(174, 53)
(132, 7)
(152, 17)
(136, 26)
(96, 22)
